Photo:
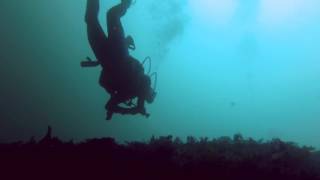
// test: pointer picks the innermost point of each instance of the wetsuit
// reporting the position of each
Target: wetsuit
(112, 53)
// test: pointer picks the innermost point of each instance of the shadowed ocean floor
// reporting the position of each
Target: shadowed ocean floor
(160, 158)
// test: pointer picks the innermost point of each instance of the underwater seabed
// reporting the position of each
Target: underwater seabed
(160, 158)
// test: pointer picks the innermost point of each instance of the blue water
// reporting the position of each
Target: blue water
(224, 67)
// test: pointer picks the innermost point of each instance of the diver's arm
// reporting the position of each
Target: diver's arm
(139, 109)
(122, 110)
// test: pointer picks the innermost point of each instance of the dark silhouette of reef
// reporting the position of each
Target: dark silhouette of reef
(160, 158)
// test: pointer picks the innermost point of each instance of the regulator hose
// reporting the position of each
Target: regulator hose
(147, 59)
(155, 75)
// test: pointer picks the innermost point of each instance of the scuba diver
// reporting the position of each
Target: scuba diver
(122, 76)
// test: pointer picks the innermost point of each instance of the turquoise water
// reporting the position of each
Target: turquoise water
(224, 67)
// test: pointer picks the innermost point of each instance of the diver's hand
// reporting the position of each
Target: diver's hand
(109, 115)
(147, 115)
(130, 43)
(142, 111)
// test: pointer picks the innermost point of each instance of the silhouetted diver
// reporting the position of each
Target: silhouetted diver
(122, 75)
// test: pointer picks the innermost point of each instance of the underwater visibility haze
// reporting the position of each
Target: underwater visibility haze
(224, 67)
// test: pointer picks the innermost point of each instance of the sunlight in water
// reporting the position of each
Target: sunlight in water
(217, 11)
(274, 13)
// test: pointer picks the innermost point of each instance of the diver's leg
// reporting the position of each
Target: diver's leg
(96, 36)
(115, 29)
